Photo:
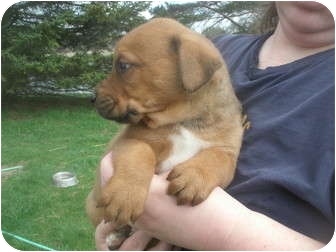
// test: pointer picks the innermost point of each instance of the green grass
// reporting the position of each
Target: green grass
(46, 135)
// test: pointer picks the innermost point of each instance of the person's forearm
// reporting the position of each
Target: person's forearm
(219, 223)
(258, 232)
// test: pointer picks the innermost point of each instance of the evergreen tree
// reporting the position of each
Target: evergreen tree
(215, 17)
(61, 43)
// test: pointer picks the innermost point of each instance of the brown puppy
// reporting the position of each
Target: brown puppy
(172, 88)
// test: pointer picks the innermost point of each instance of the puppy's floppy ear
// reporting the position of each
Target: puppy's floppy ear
(197, 59)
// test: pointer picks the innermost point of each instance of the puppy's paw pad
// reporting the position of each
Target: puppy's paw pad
(115, 239)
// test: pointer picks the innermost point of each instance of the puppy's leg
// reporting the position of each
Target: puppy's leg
(95, 214)
(124, 196)
(193, 180)
(116, 237)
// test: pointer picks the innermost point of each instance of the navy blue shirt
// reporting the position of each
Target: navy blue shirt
(286, 167)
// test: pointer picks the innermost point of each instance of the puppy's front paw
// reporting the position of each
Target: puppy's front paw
(123, 203)
(189, 185)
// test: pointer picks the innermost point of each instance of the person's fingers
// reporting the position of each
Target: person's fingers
(106, 169)
(137, 241)
(102, 231)
(161, 246)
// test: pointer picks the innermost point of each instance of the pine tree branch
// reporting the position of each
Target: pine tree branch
(224, 16)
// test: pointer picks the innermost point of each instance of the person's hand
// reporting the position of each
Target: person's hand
(166, 221)
(139, 239)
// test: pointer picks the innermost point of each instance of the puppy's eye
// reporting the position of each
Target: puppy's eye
(123, 67)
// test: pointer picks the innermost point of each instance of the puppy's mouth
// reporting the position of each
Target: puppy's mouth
(110, 110)
(131, 116)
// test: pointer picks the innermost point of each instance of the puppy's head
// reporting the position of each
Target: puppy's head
(155, 65)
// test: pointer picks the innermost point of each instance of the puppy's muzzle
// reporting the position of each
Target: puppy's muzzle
(107, 108)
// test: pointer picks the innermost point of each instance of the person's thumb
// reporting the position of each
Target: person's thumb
(106, 169)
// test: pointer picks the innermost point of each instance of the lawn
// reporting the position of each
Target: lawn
(46, 135)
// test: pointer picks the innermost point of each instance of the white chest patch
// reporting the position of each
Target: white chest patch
(185, 145)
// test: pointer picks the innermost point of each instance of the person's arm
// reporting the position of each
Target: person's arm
(219, 223)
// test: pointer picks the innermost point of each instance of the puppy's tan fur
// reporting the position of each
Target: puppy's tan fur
(174, 79)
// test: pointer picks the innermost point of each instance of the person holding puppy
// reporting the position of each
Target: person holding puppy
(282, 196)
